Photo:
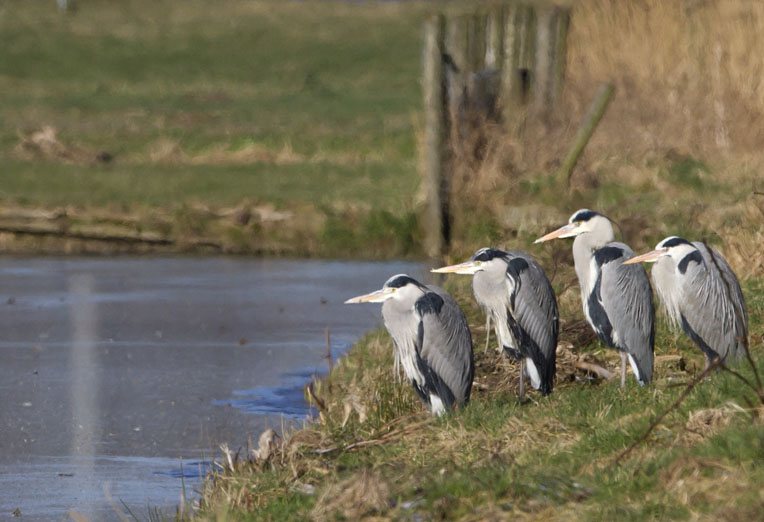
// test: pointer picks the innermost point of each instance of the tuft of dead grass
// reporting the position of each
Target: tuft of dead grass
(363, 494)
(45, 144)
(701, 424)
(694, 481)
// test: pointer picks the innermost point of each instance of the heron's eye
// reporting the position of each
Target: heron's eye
(479, 263)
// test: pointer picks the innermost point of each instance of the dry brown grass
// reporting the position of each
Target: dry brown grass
(688, 79)
(701, 424)
(358, 496)
(687, 72)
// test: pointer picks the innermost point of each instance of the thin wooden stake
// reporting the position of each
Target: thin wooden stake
(585, 131)
(328, 349)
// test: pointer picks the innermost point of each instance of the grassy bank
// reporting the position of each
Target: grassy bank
(374, 453)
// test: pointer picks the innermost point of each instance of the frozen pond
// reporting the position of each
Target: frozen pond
(113, 369)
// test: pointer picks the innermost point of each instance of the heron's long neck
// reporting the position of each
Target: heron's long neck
(488, 286)
(584, 247)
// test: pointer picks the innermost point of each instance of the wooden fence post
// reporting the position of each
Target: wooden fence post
(435, 179)
(543, 70)
(494, 30)
(476, 42)
(456, 47)
(560, 53)
(517, 64)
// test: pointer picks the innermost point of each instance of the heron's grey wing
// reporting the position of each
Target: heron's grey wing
(625, 296)
(445, 346)
(534, 307)
(708, 308)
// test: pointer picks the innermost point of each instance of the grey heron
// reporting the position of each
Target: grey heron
(515, 293)
(617, 299)
(701, 294)
(431, 338)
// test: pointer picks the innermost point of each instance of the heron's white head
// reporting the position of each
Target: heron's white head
(485, 259)
(673, 246)
(400, 287)
(583, 221)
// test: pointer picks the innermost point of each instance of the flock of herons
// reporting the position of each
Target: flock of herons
(433, 344)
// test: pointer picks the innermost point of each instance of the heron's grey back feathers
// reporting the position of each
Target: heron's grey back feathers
(627, 300)
(445, 344)
(705, 300)
(534, 308)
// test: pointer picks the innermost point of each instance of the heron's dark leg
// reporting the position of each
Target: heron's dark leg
(522, 376)
(487, 331)
(624, 357)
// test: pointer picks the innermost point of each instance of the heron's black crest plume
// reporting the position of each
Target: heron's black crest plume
(584, 215)
(486, 254)
(402, 280)
(675, 241)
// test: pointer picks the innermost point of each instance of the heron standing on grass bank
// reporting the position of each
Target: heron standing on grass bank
(617, 299)
(431, 338)
(701, 294)
(516, 294)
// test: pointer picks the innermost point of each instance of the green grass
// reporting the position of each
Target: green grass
(551, 458)
(329, 81)
(320, 184)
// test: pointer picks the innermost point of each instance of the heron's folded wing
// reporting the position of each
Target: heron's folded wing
(627, 298)
(445, 343)
(711, 297)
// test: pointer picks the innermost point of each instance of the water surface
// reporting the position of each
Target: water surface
(113, 369)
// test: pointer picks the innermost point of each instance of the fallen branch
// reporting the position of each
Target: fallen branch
(667, 358)
(594, 368)
(65, 233)
(68, 234)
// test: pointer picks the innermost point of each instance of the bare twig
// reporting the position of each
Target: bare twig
(377, 440)
(715, 363)
(758, 391)
(328, 349)
(320, 403)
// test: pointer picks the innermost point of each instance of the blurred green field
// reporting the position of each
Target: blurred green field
(270, 101)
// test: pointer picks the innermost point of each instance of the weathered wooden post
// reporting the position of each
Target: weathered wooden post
(551, 36)
(516, 64)
(456, 48)
(560, 52)
(435, 152)
(493, 44)
(476, 42)
(543, 74)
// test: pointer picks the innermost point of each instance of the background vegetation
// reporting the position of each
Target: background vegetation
(291, 128)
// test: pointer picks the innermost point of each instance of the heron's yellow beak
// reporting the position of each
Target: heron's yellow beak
(649, 257)
(376, 296)
(569, 230)
(468, 267)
